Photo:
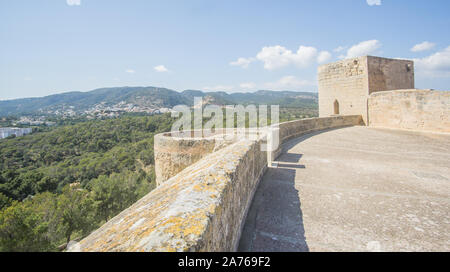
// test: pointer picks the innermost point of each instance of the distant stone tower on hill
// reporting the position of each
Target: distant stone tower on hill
(345, 86)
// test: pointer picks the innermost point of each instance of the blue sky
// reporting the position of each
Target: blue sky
(54, 46)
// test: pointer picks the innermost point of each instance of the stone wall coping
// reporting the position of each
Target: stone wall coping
(203, 207)
(176, 215)
(380, 93)
(218, 134)
(362, 57)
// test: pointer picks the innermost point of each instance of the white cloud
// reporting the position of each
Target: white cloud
(242, 62)
(247, 85)
(73, 2)
(339, 49)
(374, 2)
(422, 46)
(275, 57)
(305, 55)
(130, 71)
(289, 83)
(323, 57)
(435, 65)
(225, 88)
(362, 49)
(160, 69)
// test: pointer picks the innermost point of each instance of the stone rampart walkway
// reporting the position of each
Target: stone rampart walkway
(354, 189)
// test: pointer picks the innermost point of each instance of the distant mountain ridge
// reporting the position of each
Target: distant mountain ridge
(148, 98)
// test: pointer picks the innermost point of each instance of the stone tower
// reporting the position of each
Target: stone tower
(345, 86)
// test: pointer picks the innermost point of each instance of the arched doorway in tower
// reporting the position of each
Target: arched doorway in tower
(336, 107)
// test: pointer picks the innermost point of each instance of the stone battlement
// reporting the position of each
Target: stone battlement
(206, 184)
(203, 207)
(345, 86)
(174, 151)
(422, 110)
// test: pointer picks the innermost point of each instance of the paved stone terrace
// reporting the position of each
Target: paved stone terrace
(354, 189)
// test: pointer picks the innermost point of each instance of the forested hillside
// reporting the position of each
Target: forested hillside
(142, 99)
(62, 184)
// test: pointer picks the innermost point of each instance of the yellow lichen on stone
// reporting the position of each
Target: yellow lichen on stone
(202, 207)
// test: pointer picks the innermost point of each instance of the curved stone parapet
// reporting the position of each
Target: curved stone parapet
(203, 207)
(296, 128)
(421, 110)
(200, 209)
(293, 129)
(174, 151)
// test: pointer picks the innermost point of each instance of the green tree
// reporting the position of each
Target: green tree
(115, 193)
(22, 229)
(4, 201)
(75, 208)
(112, 159)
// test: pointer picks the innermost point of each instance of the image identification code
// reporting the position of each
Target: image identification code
(225, 262)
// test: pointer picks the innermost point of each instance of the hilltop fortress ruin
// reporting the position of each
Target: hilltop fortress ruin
(360, 86)
(371, 173)
(345, 86)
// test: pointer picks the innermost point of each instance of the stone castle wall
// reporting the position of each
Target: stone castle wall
(174, 152)
(389, 74)
(200, 209)
(203, 207)
(206, 184)
(351, 81)
(297, 128)
(422, 110)
(345, 81)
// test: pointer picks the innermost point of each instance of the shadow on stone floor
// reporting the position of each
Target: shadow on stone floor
(287, 166)
(289, 157)
(275, 221)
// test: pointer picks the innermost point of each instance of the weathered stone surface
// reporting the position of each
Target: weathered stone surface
(349, 83)
(424, 110)
(174, 151)
(173, 154)
(354, 189)
(296, 128)
(203, 207)
(206, 184)
(389, 74)
(200, 209)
